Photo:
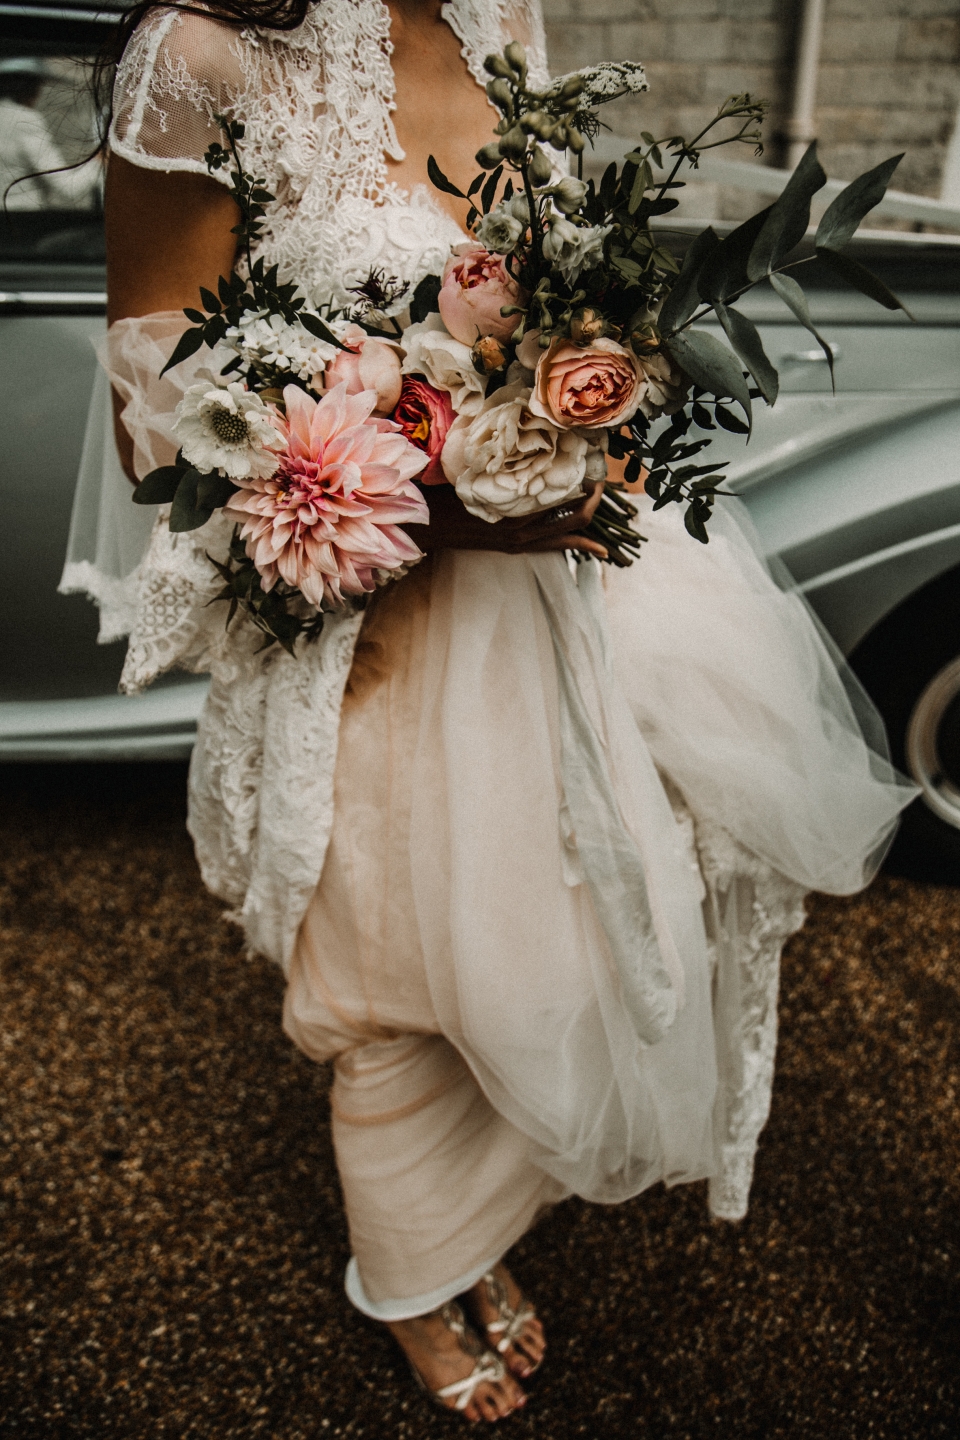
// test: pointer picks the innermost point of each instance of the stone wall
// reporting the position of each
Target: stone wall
(889, 76)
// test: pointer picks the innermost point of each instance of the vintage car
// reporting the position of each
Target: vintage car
(858, 491)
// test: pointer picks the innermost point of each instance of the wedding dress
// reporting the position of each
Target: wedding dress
(529, 851)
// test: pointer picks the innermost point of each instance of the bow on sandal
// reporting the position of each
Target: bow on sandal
(510, 1323)
(487, 1367)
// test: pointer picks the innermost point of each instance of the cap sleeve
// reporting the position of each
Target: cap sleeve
(176, 73)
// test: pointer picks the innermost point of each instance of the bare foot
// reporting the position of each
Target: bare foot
(491, 1306)
(444, 1350)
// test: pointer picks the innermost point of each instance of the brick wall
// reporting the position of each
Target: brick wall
(889, 74)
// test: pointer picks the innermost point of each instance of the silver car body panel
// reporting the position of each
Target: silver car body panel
(858, 491)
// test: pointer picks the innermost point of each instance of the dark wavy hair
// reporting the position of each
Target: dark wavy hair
(265, 14)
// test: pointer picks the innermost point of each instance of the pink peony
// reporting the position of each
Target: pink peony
(475, 287)
(425, 415)
(589, 385)
(369, 364)
(328, 519)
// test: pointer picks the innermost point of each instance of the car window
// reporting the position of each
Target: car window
(52, 192)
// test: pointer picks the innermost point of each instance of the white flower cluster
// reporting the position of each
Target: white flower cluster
(265, 340)
(573, 248)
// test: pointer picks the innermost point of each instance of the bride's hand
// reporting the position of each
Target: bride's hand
(452, 527)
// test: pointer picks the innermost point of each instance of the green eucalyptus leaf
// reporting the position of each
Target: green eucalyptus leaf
(862, 279)
(787, 221)
(315, 326)
(728, 421)
(683, 298)
(424, 300)
(159, 487)
(188, 344)
(440, 180)
(214, 490)
(712, 365)
(724, 272)
(186, 512)
(745, 339)
(490, 189)
(841, 219)
(793, 297)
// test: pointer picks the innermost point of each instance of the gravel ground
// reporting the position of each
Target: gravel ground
(173, 1241)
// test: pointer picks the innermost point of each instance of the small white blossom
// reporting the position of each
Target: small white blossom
(227, 427)
(499, 231)
(569, 194)
(573, 248)
(265, 340)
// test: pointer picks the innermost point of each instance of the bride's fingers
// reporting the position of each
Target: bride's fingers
(567, 542)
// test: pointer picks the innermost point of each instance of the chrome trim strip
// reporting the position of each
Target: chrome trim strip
(879, 557)
(45, 12)
(29, 300)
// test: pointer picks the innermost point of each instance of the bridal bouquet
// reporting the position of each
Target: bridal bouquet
(562, 332)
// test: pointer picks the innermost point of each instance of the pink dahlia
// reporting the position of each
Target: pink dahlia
(329, 517)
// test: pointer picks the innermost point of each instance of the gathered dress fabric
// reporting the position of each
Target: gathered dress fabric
(526, 836)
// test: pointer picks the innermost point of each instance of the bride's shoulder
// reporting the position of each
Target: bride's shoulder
(177, 50)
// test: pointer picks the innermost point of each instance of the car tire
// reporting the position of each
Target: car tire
(909, 665)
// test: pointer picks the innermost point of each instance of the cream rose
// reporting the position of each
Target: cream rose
(667, 386)
(506, 460)
(588, 385)
(445, 363)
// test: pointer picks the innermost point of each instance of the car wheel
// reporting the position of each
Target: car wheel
(910, 666)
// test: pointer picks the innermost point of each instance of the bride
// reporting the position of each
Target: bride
(447, 816)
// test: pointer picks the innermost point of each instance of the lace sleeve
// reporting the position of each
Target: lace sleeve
(177, 72)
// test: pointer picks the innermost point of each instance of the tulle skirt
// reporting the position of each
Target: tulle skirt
(578, 744)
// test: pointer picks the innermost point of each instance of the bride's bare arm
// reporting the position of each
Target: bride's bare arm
(167, 234)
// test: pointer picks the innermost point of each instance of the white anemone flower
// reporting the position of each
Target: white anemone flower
(228, 428)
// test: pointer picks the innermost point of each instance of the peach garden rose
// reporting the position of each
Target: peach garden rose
(586, 386)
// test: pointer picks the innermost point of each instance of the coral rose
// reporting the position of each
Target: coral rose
(505, 460)
(425, 415)
(368, 364)
(328, 521)
(588, 385)
(475, 288)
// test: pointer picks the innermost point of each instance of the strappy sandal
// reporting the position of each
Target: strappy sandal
(487, 1367)
(510, 1322)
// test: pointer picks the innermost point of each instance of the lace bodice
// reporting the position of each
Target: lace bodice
(317, 104)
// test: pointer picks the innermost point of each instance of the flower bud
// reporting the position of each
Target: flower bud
(516, 57)
(519, 208)
(496, 65)
(489, 157)
(541, 124)
(587, 326)
(575, 140)
(500, 93)
(541, 171)
(569, 194)
(488, 355)
(558, 136)
(513, 145)
(573, 86)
